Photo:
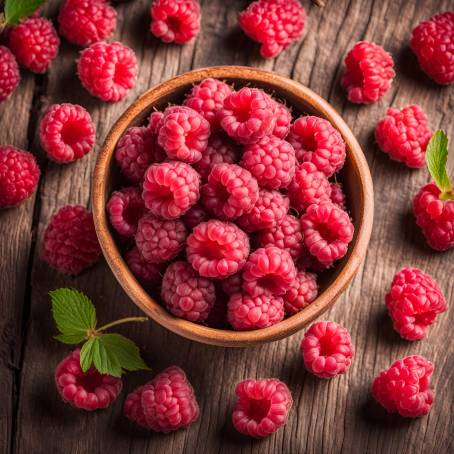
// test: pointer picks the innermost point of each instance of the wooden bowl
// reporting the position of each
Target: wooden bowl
(355, 178)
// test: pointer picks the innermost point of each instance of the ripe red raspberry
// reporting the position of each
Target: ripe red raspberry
(271, 161)
(35, 44)
(86, 390)
(154, 121)
(247, 115)
(195, 216)
(435, 217)
(232, 284)
(19, 175)
(217, 249)
(9, 73)
(84, 22)
(268, 270)
(413, 302)
(183, 133)
(287, 235)
(70, 244)
(147, 273)
(433, 43)
(316, 140)
(207, 98)
(67, 132)
(160, 240)
(175, 21)
(230, 192)
(306, 261)
(125, 208)
(132, 407)
(327, 232)
(338, 196)
(262, 407)
(368, 73)
(283, 118)
(301, 293)
(170, 189)
(308, 186)
(186, 294)
(246, 312)
(275, 24)
(108, 70)
(268, 212)
(404, 387)
(327, 349)
(404, 135)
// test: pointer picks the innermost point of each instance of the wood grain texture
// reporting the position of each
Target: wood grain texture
(328, 416)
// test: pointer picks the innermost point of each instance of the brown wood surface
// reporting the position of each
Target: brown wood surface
(328, 416)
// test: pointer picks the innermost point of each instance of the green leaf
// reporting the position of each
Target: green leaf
(16, 10)
(436, 159)
(86, 353)
(104, 359)
(71, 339)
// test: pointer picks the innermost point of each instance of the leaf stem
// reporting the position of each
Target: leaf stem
(447, 195)
(121, 321)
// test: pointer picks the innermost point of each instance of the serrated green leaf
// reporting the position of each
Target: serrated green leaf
(86, 353)
(105, 360)
(16, 10)
(436, 159)
(71, 339)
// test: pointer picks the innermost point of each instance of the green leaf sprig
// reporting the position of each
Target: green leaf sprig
(75, 317)
(16, 10)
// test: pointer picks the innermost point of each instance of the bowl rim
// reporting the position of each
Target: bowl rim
(132, 287)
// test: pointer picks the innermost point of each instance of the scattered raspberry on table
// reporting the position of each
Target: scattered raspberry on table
(9, 73)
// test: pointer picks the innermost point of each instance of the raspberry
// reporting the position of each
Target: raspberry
(275, 24)
(433, 43)
(132, 407)
(306, 261)
(125, 208)
(220, 150)
(195, 216)
(327, 349)
(35, 44)
(186, 294)
(170, 189)
(183, 134)
(230, 192)
(232, 284)
(246, 312)
(160, 240)
(84, 22)
(147, 273)
(19, 175)
(9, 73)
(301, 293)
(404, 387)
(262, 407)
(108, 70)
(404, 135)
(268, 212)
(207, 98)
(413, 302)
(283, 118)
(86, 390)
(271, 161)
(308, 186)
(175, 21)
(268, 270)
(247, 115)
(368, 73)
(217, 249)
(154, 121)
(287, 235)
(67, 132)
(70, 244)
(435, 217)
(316, 140)
(327, 232)
(338, 196)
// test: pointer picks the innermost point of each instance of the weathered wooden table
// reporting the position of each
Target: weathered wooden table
(328, 416)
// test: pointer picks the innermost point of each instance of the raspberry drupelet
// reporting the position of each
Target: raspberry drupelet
(275, 24)
(84, 22)
(170, 189)
(413, 302)
(9, 73)
(433, 43)
(230, 191)
(283, 118)
(108, 70)
(301, 293)
(316, 140)
(175, 21)
(338, 196)
(217, 249)
(268, 271)
(327, 349)
(262, 406)
(19, 175)
(186, 294)
(67, 132)
(154, 121)
(368, 73)
(404, 387)
(86, 390)
(195, 216)
(146, 272)
(404, 135)
(132, 407)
